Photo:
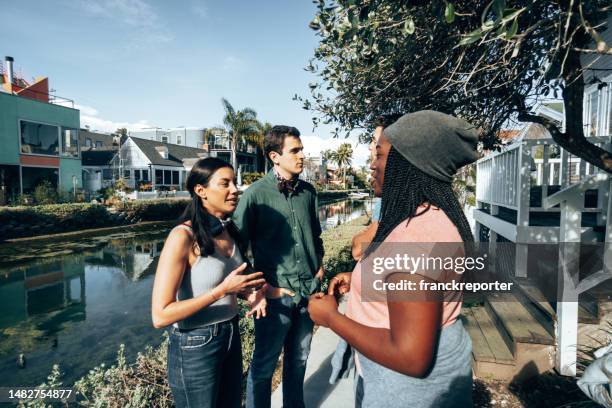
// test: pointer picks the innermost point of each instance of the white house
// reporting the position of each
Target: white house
(165, 166)
(534, 192)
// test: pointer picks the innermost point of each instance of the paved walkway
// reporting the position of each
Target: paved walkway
(318, 392)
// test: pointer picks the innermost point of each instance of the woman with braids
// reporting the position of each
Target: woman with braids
(409, 351)
(198, 277)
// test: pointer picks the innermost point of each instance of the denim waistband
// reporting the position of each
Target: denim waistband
(214, 326)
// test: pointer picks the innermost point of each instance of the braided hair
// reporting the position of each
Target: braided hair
(405, 188)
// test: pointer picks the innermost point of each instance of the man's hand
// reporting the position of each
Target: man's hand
(272, 292)
(340, 284)
(322, 308)
(257, 300)
(320, 274)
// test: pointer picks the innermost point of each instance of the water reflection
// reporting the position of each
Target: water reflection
(76, 309)
(334, 214)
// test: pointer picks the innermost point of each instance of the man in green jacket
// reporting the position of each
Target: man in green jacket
(277, 216)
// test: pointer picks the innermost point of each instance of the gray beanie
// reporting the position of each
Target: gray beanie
(436, 143)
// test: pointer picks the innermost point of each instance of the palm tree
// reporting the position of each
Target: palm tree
(343, 157)
(262, 130)
(240, 124)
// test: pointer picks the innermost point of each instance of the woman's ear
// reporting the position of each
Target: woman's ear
(200, 191)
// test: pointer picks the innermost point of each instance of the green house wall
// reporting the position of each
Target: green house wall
(14, 108)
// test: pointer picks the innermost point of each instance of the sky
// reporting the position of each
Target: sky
(154, 63)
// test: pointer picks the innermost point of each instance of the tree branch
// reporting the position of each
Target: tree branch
(576, 145)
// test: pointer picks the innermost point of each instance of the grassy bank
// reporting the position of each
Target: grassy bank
(143, 382)
(40, 220)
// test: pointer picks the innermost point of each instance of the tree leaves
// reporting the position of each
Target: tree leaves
(449, 13)
(409, 27)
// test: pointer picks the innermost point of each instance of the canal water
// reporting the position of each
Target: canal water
(75, 310)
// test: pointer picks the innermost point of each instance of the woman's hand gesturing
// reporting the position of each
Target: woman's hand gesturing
(236, 282)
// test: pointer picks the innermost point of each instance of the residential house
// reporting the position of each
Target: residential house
(162, 165)
(214, 140)
(315, 170)
(533, 193)
(89, 140)
(97, 152)
(38, 135)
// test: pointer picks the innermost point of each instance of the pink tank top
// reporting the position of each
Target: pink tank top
(432, 226)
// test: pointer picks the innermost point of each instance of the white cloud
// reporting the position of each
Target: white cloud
(108, 126)
(86, 110)
(90, 118)
(314, 145)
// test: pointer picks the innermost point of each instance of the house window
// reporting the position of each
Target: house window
(175, 178)
(167, 177)
(137, 175)
(37, 138)
(126, 174)
(87, 142)
(145, 175)
(164, 139)
(159, 177)
(99, 144)
(591, 122)
(609, 110)
(107, 174)
(70, 142)
(179, 139)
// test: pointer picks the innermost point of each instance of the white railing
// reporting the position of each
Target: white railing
(505, 178)
(497, 177)
(569, 287)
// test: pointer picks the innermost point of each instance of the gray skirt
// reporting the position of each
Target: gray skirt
(449, 383)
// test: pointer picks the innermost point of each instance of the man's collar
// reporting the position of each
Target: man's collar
(285, 186)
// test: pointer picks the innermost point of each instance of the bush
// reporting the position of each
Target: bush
(45, 193)
(23, 221)
(107, 192)
(154, 210)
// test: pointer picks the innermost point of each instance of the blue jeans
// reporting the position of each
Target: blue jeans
(205, 365)
(287, 326)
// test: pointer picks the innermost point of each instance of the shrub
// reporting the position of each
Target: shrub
(45, 193)
(143, 384)
(154, 210)
(27, 221)
(121, 184)
(107, 192)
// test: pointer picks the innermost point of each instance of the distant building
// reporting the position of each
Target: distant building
(315, 169)
(214, 140)
(89, 140)
(183, 136)
(162, 165)
(39, 137)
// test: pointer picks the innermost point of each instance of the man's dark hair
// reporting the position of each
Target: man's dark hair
(275, 138)
(387, 119)
(405, 188)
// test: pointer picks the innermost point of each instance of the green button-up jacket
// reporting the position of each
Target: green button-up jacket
(283, 232)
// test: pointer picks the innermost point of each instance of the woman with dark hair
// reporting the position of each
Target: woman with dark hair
(410, 348)
(198, 277)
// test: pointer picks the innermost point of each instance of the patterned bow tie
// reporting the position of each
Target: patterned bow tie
(286, 186)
